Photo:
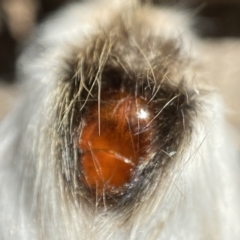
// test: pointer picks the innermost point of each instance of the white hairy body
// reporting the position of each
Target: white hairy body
(198, 199)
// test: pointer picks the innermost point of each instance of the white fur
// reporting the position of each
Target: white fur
(200, 199)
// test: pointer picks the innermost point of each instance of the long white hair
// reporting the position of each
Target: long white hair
(189, 188)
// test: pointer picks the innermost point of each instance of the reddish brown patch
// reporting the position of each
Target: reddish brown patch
(111, 151)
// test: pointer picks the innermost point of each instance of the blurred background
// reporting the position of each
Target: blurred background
(218, 24)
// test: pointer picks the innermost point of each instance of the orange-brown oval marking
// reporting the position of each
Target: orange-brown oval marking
(114, 143)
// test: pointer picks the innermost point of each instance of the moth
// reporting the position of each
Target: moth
(119, 133)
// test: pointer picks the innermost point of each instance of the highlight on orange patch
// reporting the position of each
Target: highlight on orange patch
(113, 141)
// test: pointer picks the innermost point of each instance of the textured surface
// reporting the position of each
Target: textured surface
(189, 189)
